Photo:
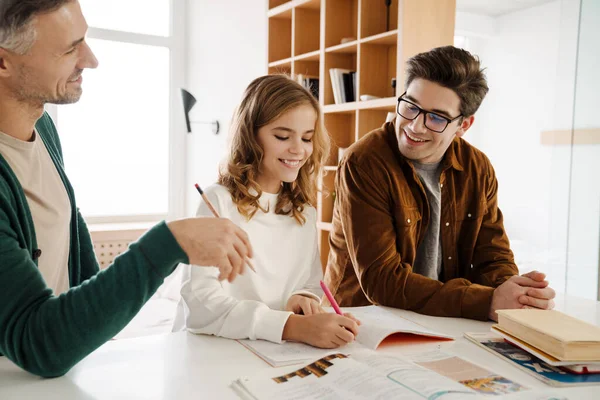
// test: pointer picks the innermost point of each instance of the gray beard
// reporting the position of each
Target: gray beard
(37, 97)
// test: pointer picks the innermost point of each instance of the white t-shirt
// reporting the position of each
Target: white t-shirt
(49, 204)
(287, 262)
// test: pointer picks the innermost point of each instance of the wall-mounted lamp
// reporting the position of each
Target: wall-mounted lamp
(188, 103)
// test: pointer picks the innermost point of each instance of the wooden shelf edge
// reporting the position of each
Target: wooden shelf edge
(279, 63)
(567, 136)
(285, 10)
(312, 56)
(308, 4)
(350, 47)
(325, 226)
(282, 11)
(385, 38)
(386, 103)
(343, 107)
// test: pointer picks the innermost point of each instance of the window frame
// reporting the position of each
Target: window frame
(176, 43)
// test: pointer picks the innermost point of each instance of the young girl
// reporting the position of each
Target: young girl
(268, 188)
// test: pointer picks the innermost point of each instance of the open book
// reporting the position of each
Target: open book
(367, 374)
(377, 324)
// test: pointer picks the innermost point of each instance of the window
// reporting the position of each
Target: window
(121, 142)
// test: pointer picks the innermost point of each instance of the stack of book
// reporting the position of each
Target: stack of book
(343, 83)
(309, 82)
(553, 337)
(553, 347)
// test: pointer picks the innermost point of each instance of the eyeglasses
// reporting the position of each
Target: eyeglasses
(433, 122)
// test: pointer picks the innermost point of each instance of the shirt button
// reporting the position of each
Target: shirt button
(447, 223)
(469, 215)
(449, 258)
(408, 221)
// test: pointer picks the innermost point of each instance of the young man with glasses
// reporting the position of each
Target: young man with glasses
(416, 222)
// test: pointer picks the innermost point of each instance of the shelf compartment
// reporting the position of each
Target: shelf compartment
(327, 197)
(307, 30)
(342, 131)
(324, 243)
(341, 21)
(369, 120)
(280, 39)
(378, 62)
(336, 60)
(375, 19)
(308, 69)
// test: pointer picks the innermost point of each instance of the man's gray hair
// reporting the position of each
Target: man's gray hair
(16, 22)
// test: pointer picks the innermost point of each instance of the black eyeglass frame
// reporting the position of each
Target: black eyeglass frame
(425, 112)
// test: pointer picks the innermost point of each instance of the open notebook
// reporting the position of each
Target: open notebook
(378, 323)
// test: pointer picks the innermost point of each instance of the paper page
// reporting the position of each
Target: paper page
(378, 323)
(365, 375)
(466, 373)
(291, 352)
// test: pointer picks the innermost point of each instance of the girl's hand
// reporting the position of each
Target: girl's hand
(299, 304)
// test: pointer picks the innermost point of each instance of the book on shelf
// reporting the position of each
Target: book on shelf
(309, 82)
(564, 337)
(343, 84)
(377, 324)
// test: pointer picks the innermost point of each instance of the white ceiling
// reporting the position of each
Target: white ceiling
(494, 8)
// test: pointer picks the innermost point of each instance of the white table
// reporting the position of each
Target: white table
(184, 366)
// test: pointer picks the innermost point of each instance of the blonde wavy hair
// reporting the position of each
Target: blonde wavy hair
(266, 99)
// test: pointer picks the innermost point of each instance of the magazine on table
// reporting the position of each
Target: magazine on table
(368, 374)
(551, 375)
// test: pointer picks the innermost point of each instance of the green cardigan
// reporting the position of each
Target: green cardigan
(47, 335)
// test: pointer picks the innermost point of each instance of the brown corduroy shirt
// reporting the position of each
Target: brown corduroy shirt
(381, 215)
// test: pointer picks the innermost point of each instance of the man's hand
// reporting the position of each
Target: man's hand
(327, 330)
(213, 242)
(526, 291)
(300, 304)
(535, 297)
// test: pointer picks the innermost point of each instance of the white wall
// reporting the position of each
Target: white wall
(226, 48)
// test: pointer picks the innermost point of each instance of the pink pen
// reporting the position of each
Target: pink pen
(334, 304)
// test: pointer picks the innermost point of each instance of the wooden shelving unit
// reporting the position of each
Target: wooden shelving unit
(305, 37)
